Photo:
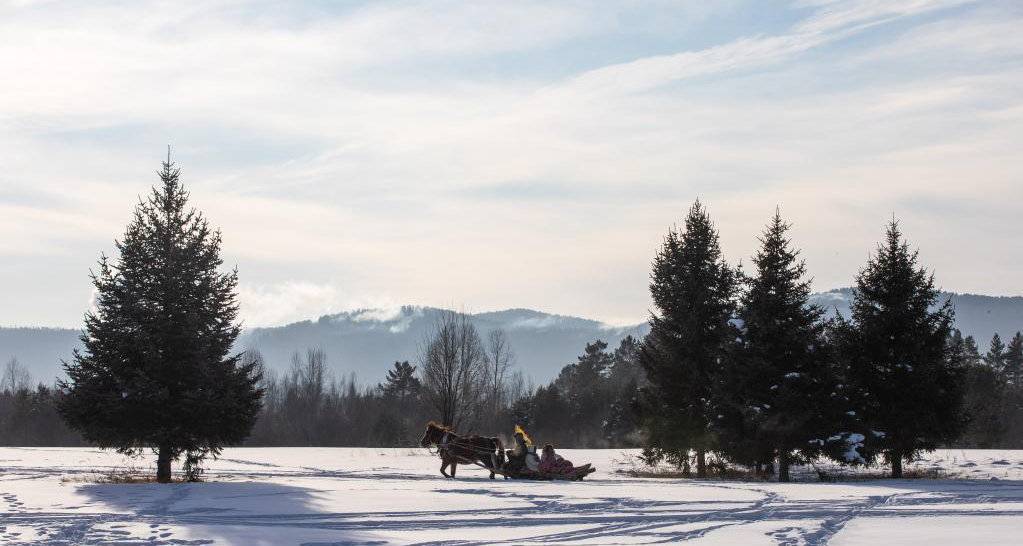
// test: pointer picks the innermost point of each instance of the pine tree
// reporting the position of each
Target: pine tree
(401, 383)
(585, 387)
(774, 397)
(156, 370)
(625, 366)
(401, 389)
(983, 397)
(693, 292)
(1012, 363)
(995, 356)
(971, 352)
(909, 384)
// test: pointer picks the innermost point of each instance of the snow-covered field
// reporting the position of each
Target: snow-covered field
(317, 496)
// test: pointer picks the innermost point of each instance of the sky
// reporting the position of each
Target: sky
(489, 155)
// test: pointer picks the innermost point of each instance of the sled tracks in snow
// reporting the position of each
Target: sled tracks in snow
(303, 507)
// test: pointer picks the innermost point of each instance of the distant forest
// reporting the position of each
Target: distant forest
(591, 404)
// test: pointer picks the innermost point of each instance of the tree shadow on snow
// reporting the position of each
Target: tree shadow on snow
(250, 513)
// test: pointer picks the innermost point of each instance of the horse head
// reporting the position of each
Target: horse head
(433, 434)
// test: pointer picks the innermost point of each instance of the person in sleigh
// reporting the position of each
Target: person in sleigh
(552, 463)
(522, 458)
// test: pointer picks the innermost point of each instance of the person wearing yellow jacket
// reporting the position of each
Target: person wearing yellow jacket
(523, 457)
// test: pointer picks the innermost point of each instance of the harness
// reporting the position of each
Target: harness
(445, 444)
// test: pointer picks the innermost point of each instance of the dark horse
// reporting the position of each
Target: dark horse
(454, 449)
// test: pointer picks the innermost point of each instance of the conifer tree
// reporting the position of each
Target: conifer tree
(995, 356)
(971, 352)
(156, 370)
(779, 392)
(693, 292)
(401, 383)
(1012, 363)
(908, 381)
(983, 397)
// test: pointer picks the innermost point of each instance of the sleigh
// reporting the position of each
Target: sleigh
(487, 453)
(577, 474)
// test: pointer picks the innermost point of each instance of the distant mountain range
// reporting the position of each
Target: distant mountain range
(367, 342)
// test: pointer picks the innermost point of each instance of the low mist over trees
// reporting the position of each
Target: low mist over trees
(591, 403)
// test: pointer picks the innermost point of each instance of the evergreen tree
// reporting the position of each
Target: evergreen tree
(401, 383)
(626, 378)
(983, 397)
(625, 366)
(584, 384)
(1012, 362)
(773, 397)
(401, 389)
(971, 352)
(909, 385)
(693, 292)
(156, 370)
(995, 356)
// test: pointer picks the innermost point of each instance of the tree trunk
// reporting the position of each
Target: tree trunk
(896, 464)
(163, 465)
(783, 466)
(701, 463)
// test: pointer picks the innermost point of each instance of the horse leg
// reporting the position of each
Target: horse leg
(443, 466)
(454, 466)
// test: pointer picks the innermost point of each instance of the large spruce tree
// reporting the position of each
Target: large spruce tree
(157, 371)
(693, 292)
(780, 390)
(910, 385)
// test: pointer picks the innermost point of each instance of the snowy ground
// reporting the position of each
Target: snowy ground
(318, 496)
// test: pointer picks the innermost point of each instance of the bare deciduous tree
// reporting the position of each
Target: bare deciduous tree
(517, 387)
(452, 360)
(15, 377)
(500, 358)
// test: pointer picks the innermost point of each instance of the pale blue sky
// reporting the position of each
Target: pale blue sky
(487, 155)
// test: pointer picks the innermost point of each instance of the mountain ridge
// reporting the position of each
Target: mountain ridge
(367, 341)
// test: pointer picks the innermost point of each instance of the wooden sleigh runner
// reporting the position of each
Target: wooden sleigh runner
(577, 474)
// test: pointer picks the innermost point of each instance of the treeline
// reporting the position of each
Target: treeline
(590, 404)
(28, 416)
(593, 403)
(309, 406)
(994, 393)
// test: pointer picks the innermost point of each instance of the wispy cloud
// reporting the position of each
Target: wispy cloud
(504, 154)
